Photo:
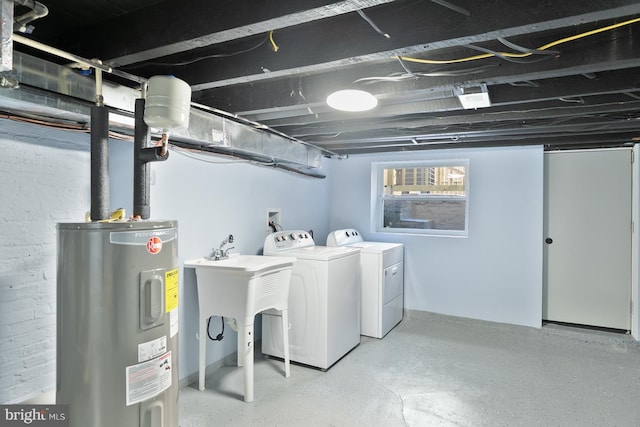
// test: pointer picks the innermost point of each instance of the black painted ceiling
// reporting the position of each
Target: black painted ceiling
(570, 77)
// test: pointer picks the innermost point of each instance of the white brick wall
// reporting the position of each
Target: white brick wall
(44, 179)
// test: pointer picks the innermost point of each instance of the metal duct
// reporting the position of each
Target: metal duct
(6, 31)
(51, 90)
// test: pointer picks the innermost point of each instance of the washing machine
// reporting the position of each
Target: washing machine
(324, 301)
(382, 280)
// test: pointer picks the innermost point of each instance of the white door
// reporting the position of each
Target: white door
(587, 255)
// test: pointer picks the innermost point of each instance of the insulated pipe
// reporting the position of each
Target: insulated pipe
(141, 156)
(99, 163)
(141, 136)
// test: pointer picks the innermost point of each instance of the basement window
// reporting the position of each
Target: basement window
(423, 197)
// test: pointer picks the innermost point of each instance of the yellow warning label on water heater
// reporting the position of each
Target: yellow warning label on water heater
(171, 286)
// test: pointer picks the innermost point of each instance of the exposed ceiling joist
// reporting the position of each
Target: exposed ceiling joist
(549, 66)
(289, 14)
(359, 51)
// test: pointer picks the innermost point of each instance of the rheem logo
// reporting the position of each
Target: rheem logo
(154, 245)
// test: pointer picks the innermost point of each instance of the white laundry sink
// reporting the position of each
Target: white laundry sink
(239, 287)
(251, 264)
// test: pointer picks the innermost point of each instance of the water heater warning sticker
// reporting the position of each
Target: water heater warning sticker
(171, 287)
(150, 349)
(148, 379)
(173, 322)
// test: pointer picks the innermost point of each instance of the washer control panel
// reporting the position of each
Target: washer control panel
(347, 236)
(286, 240)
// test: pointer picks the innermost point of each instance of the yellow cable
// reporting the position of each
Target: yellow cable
(520, 55)
(589, 33)
(273, 43)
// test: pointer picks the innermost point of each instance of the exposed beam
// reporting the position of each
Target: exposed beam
(313, 50)
(535, 130)
(416, 125)
(436, 107)
(618, 139)
(268, 100)
(219, 22)
(555, 140)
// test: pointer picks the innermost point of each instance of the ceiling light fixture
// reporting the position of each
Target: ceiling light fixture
(352, 100)
(473, 97)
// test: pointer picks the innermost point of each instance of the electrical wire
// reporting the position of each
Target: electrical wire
(202, 156)
(273, 42)
(61, 125)
(399, 77)
(519, 48)
(453, 7)
(522, 54)
(191, 152)
(525, 83)
(275, 226)
(578, 100)
(404, 67)
(372, 24)
(202, 58)
(72, 127)
(509, 58)
(220, 335)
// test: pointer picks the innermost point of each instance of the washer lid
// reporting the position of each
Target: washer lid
(375, 247)
(321, 253)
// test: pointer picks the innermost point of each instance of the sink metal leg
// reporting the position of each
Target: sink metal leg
(285, 340)
(241, 346)
(247, 354)
(202, 337)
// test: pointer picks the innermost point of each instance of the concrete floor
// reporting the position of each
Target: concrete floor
(436, 370)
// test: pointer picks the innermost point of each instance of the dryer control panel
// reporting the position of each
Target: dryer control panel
(281, 241)
(347, 236)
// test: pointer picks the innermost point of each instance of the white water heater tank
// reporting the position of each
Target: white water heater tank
(167, 103)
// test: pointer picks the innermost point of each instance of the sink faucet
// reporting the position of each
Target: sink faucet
(222, 253)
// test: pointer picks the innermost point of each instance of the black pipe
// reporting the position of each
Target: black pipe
(141, 137)
(141, 156)
(99, 163)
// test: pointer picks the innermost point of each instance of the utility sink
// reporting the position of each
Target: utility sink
(251, 264)
(239, 287)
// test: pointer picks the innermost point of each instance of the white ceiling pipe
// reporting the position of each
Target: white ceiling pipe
(75, 58)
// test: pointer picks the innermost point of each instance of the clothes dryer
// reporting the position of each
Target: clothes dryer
(382, 281)
(324, 301)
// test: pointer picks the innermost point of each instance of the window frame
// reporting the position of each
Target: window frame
(378, 197)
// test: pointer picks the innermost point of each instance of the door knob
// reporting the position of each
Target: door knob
(548, 240)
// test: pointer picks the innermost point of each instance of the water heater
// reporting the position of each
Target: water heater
(117, 323)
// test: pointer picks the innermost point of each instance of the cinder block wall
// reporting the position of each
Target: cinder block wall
(44, 179)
